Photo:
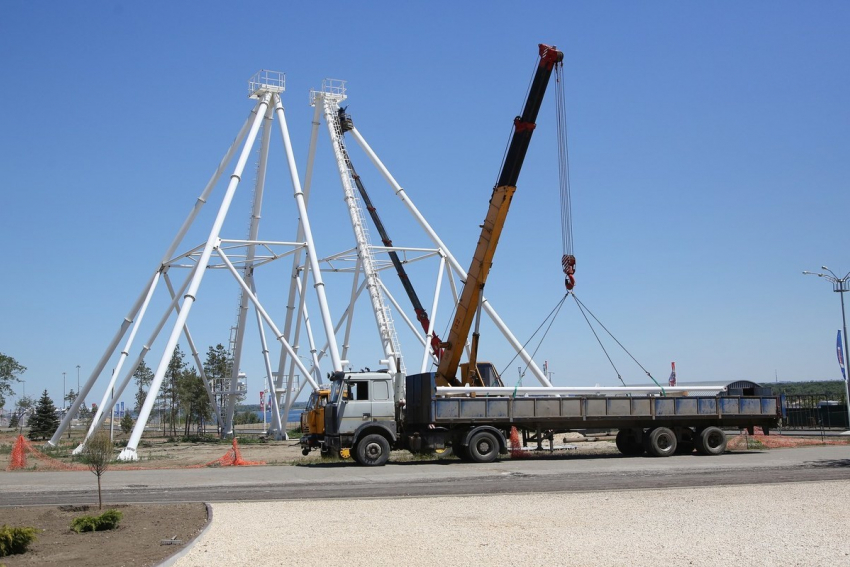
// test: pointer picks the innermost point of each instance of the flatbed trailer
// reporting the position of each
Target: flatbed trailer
(476, 428)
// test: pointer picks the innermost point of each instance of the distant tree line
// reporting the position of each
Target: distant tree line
(833, 389)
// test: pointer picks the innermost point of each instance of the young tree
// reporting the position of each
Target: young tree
(44, 422)
(9, 372)
(175, 370)
(143, 376)
(217, 368)
(126, 423)
(194, 400)
(22, 407)
(70, 397)
(97, 454)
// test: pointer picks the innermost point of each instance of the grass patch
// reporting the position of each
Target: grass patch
(106, 521)
(15, 540)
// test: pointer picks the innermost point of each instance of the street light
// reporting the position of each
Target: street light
(63, 390)
(839, 285)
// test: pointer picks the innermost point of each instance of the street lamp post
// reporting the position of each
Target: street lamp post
(839, 285)
(63, 391)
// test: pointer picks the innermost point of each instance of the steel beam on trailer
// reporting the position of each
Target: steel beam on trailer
(566, 391)
(129, 452)
(400, 193)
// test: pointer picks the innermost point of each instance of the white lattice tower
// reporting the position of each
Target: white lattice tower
(333, 92)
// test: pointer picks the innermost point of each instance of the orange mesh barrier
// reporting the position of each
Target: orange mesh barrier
(739, 442)
(233, 458)
(517, 452)
(19, 458)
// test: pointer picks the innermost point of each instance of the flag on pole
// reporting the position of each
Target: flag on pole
(673, 375)
(840, 352)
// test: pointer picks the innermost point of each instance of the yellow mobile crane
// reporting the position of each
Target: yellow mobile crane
(500, 201)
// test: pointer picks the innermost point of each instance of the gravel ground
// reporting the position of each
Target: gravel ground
(778, 524)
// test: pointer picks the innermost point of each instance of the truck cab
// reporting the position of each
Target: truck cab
(361, 416)
(313, 420)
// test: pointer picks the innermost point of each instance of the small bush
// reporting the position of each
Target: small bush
(106, 521)
(15, 540)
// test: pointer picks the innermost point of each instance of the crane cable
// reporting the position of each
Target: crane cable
(568, 259)
(553, 314)
(582, 307)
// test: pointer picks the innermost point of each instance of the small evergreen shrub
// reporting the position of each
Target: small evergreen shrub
(15, 540)
(106, 521)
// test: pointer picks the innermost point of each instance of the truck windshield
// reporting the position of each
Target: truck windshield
(311, 402)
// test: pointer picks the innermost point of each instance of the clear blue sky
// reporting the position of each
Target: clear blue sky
(708, 142)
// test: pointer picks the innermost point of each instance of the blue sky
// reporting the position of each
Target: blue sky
(709, 161)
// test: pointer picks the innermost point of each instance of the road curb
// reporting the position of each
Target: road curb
(171, 560)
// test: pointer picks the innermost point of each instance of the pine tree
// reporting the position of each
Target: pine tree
(44, 422)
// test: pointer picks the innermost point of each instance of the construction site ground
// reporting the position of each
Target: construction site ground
(141, 538)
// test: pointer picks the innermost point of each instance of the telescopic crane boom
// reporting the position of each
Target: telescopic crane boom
(500, 202)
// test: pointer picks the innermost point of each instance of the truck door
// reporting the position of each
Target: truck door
(383, 406)
(356, 405)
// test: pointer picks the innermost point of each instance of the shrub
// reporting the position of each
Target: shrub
(15, 540)
(106, 521)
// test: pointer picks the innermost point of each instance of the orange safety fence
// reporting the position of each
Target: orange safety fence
(516, 450)
(233, 458)
(23, 447)
(743, 440)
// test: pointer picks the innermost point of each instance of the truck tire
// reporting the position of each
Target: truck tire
(660, 442)
(628, 444)
(372, 450)
(483, 447)
(711, 441)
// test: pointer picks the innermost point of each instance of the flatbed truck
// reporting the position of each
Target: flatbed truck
(365, 416)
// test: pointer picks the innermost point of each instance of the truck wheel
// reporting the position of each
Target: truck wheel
(373, 450)
(628, 444)
(483, 447)
(711, 441)
(660, 442)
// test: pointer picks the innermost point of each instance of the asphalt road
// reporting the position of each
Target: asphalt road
(568, 474)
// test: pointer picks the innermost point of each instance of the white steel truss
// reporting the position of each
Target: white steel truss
(241, 258)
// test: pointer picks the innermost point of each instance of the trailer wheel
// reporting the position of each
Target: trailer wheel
(711, 441)
(628, 444)
(373, 450)
(483, 447)
(660, 442)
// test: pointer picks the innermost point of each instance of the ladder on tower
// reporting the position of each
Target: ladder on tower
(386, 327)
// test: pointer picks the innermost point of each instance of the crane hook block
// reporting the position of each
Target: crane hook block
(568, 261)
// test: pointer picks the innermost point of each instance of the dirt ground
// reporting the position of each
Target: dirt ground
(158, 453)
(137, 541)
